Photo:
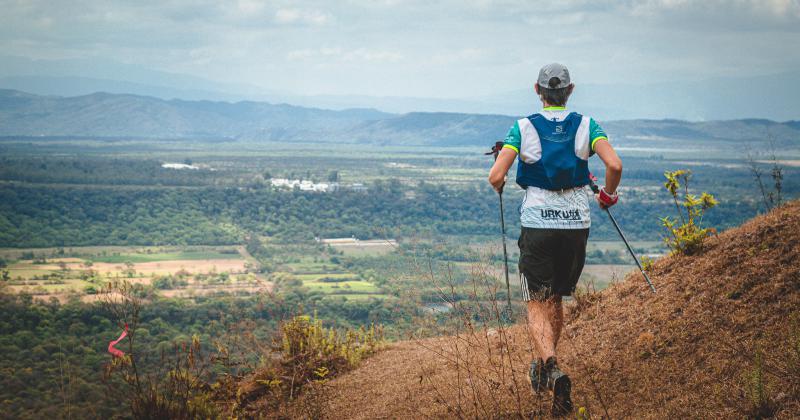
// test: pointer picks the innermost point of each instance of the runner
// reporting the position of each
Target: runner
(554, 147)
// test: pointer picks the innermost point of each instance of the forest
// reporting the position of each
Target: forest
(44, 216)
(54, 354)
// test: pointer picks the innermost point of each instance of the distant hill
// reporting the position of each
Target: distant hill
(688, 351)
(432, 128)
(773, 94)
(124, 116)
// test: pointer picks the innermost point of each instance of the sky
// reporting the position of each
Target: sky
(437, 49)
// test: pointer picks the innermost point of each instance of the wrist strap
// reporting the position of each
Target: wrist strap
(608, 198)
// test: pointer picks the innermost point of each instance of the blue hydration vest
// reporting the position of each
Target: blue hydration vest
(549, 158)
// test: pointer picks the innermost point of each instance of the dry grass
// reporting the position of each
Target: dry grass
(688, 351)
(28, 269)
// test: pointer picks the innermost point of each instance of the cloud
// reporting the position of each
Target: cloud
(328, 54)
(463, 55)
(292, 16)
(426, 48)
(308, 53)
(736, 12)
(250, 6)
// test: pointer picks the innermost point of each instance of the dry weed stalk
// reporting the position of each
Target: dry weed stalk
(772, 197)
(485, 358)
(174, 386)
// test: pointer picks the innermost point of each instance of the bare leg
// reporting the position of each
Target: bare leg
(545, 320)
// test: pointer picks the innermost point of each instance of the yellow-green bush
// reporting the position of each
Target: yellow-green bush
(686, 233)
(305, 356)
(304, 338)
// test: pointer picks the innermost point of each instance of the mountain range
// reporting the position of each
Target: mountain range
(125, 115)
(772, 95)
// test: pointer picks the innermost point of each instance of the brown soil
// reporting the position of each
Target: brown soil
(687, 351)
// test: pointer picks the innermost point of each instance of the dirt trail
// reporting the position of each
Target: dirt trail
(686, 352)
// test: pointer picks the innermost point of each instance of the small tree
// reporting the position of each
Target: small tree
(129, 271)
(772, 197)
(176, 385)
(687, 237)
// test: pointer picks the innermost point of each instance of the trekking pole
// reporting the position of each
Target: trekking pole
(596, 190)
(508, 311)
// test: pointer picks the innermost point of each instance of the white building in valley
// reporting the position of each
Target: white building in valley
(290, 184)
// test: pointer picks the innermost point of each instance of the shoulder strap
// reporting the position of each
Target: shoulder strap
(534, 116)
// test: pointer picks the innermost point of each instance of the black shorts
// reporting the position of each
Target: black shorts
(550, 261)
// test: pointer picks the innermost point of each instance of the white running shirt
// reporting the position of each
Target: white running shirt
(565, 209)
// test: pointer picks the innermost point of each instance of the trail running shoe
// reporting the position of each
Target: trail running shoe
(538, 375)
(561, 386)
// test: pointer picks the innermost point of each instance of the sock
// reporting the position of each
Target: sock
(550, 363)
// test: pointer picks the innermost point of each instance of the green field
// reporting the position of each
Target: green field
(310, 267)
(618, 245)
(356, 286)
(346, 283)
(317, 276)
(355, 297)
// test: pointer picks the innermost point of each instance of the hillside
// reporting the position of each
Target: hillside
(688, 351)
(123, 115)
(109, 116)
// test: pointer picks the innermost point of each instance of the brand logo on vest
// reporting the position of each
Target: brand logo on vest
(559, 129)
(561, 214)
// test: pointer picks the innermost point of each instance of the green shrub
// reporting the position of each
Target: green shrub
(647, 263)
(308, 356)
(306, 342)
(686, 233)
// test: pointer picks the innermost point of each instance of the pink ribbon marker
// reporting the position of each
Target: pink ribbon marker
(114, 351)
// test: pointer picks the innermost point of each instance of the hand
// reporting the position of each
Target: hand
(499, 188)
(605, 199)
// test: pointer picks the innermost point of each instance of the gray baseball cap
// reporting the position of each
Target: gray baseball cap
(551, 71)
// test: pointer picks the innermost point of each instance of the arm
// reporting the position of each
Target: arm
(608, 196)
(497, 175)
(613, 165)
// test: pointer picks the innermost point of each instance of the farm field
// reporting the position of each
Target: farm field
(174, 271)
(324, 268)
(362, 248)
(318, 274)
(652, 247)
(601, 275)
